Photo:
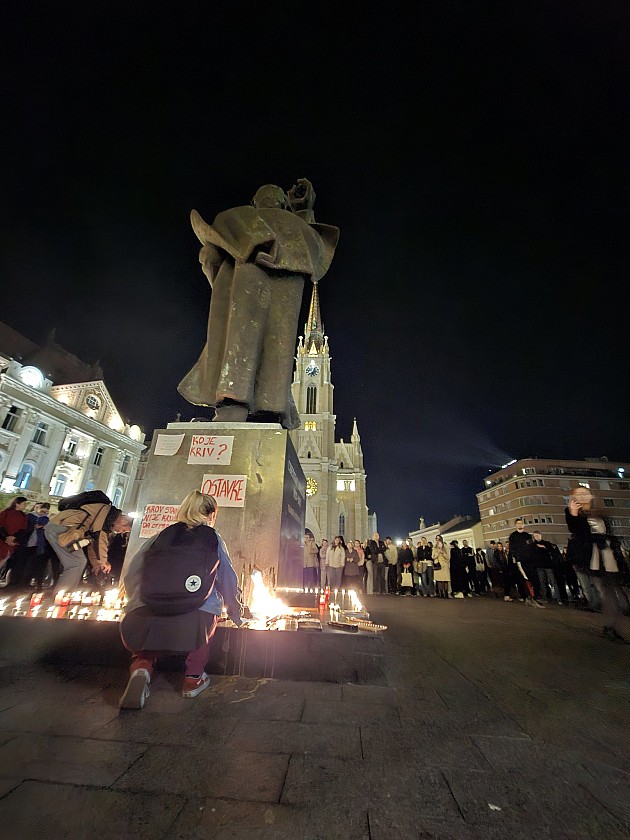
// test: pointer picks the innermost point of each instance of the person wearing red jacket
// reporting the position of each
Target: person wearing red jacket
(13, 529)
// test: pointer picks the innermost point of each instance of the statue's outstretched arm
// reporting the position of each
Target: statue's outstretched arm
(302, 199)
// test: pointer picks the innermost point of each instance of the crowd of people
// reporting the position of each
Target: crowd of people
(590, 573)
(60, 551)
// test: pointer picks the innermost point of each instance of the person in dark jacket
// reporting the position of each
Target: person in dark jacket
(145, 634)
(375, 552)
(519, 540)
(595, 550)
(459, 577)
(540, 555)
(468, 558)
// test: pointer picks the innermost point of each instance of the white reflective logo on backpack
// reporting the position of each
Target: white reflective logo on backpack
(193, 583)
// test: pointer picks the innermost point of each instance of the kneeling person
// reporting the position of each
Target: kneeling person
(176, 585)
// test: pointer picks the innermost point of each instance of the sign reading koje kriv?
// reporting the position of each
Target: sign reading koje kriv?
(210, 449)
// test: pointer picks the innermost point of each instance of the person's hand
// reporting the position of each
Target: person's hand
(105, 568)
(574, 507)
(11, 541)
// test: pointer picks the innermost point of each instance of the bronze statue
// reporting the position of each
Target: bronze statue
(256, 259)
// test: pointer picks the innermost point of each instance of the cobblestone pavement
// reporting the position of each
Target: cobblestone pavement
(498, 722)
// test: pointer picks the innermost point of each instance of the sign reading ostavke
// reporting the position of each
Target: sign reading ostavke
(210, 449)
(228, 490)
(156, 517)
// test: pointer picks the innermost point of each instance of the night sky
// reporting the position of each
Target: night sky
(474, 155)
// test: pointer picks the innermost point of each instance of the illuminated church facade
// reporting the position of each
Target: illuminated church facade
(334, 470)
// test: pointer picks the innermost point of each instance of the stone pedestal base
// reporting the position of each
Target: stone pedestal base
(263, 480)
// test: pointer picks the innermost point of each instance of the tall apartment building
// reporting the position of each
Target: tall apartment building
(537, 490)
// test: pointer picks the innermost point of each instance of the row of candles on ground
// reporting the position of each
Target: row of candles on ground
(82, 605)
(343, 599)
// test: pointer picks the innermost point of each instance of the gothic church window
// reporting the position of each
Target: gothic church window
(342, 525)
(311, 400)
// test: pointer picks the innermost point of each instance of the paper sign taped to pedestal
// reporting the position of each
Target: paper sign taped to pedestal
(168, 444)
(228, 490)
(157, 517)
(210, 449)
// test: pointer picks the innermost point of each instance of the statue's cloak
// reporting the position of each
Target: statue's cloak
(293, 244)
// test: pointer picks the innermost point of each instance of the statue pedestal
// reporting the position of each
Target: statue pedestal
(254, 473)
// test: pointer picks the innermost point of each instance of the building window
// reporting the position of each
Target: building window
(72, 446)
(342, 525)
(609, 502)
(126, 461)
(117, 497)
(93, 402)
(11, 419)
(60, 485)
(23, 477)
(98, 457)
(39, 436)
(310, 426)
(311, 400)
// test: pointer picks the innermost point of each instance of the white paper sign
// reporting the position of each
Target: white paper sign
(156, 517)
(168, 444)
(210, 449)
(228, 490)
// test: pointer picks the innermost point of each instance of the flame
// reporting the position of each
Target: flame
(264, 603)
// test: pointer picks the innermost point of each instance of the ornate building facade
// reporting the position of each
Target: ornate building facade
(335, 474)
(60, 432)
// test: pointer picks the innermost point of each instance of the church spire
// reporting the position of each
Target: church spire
(314, 329)
(355, 432)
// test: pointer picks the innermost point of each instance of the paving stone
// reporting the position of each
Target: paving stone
(322, 691)
(334, 740)
(351, 713)
(64, 812)
(59, 718)
(248, 776)
(329, 780)
(525, 755)
(419, 747)
(168, 729)
(9, 783)
(227, 820)
(63, 759)
(368, 694)
(554, 803)
(611, 787)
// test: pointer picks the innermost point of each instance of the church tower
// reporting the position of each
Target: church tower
(335, 476)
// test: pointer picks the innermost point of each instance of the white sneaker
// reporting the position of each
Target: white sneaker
(507, 598)
(458, 595)
(5, 579)
(137, 690)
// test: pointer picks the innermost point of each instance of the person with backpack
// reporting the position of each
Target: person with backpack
(176, 586)
(86, 521)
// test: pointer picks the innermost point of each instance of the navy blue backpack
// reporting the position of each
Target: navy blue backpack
(180, 569)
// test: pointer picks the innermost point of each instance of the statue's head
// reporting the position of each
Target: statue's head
(270, 196)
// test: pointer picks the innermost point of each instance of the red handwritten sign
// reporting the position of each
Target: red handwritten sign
(156, 517)
(228, 490)
(210, 449)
